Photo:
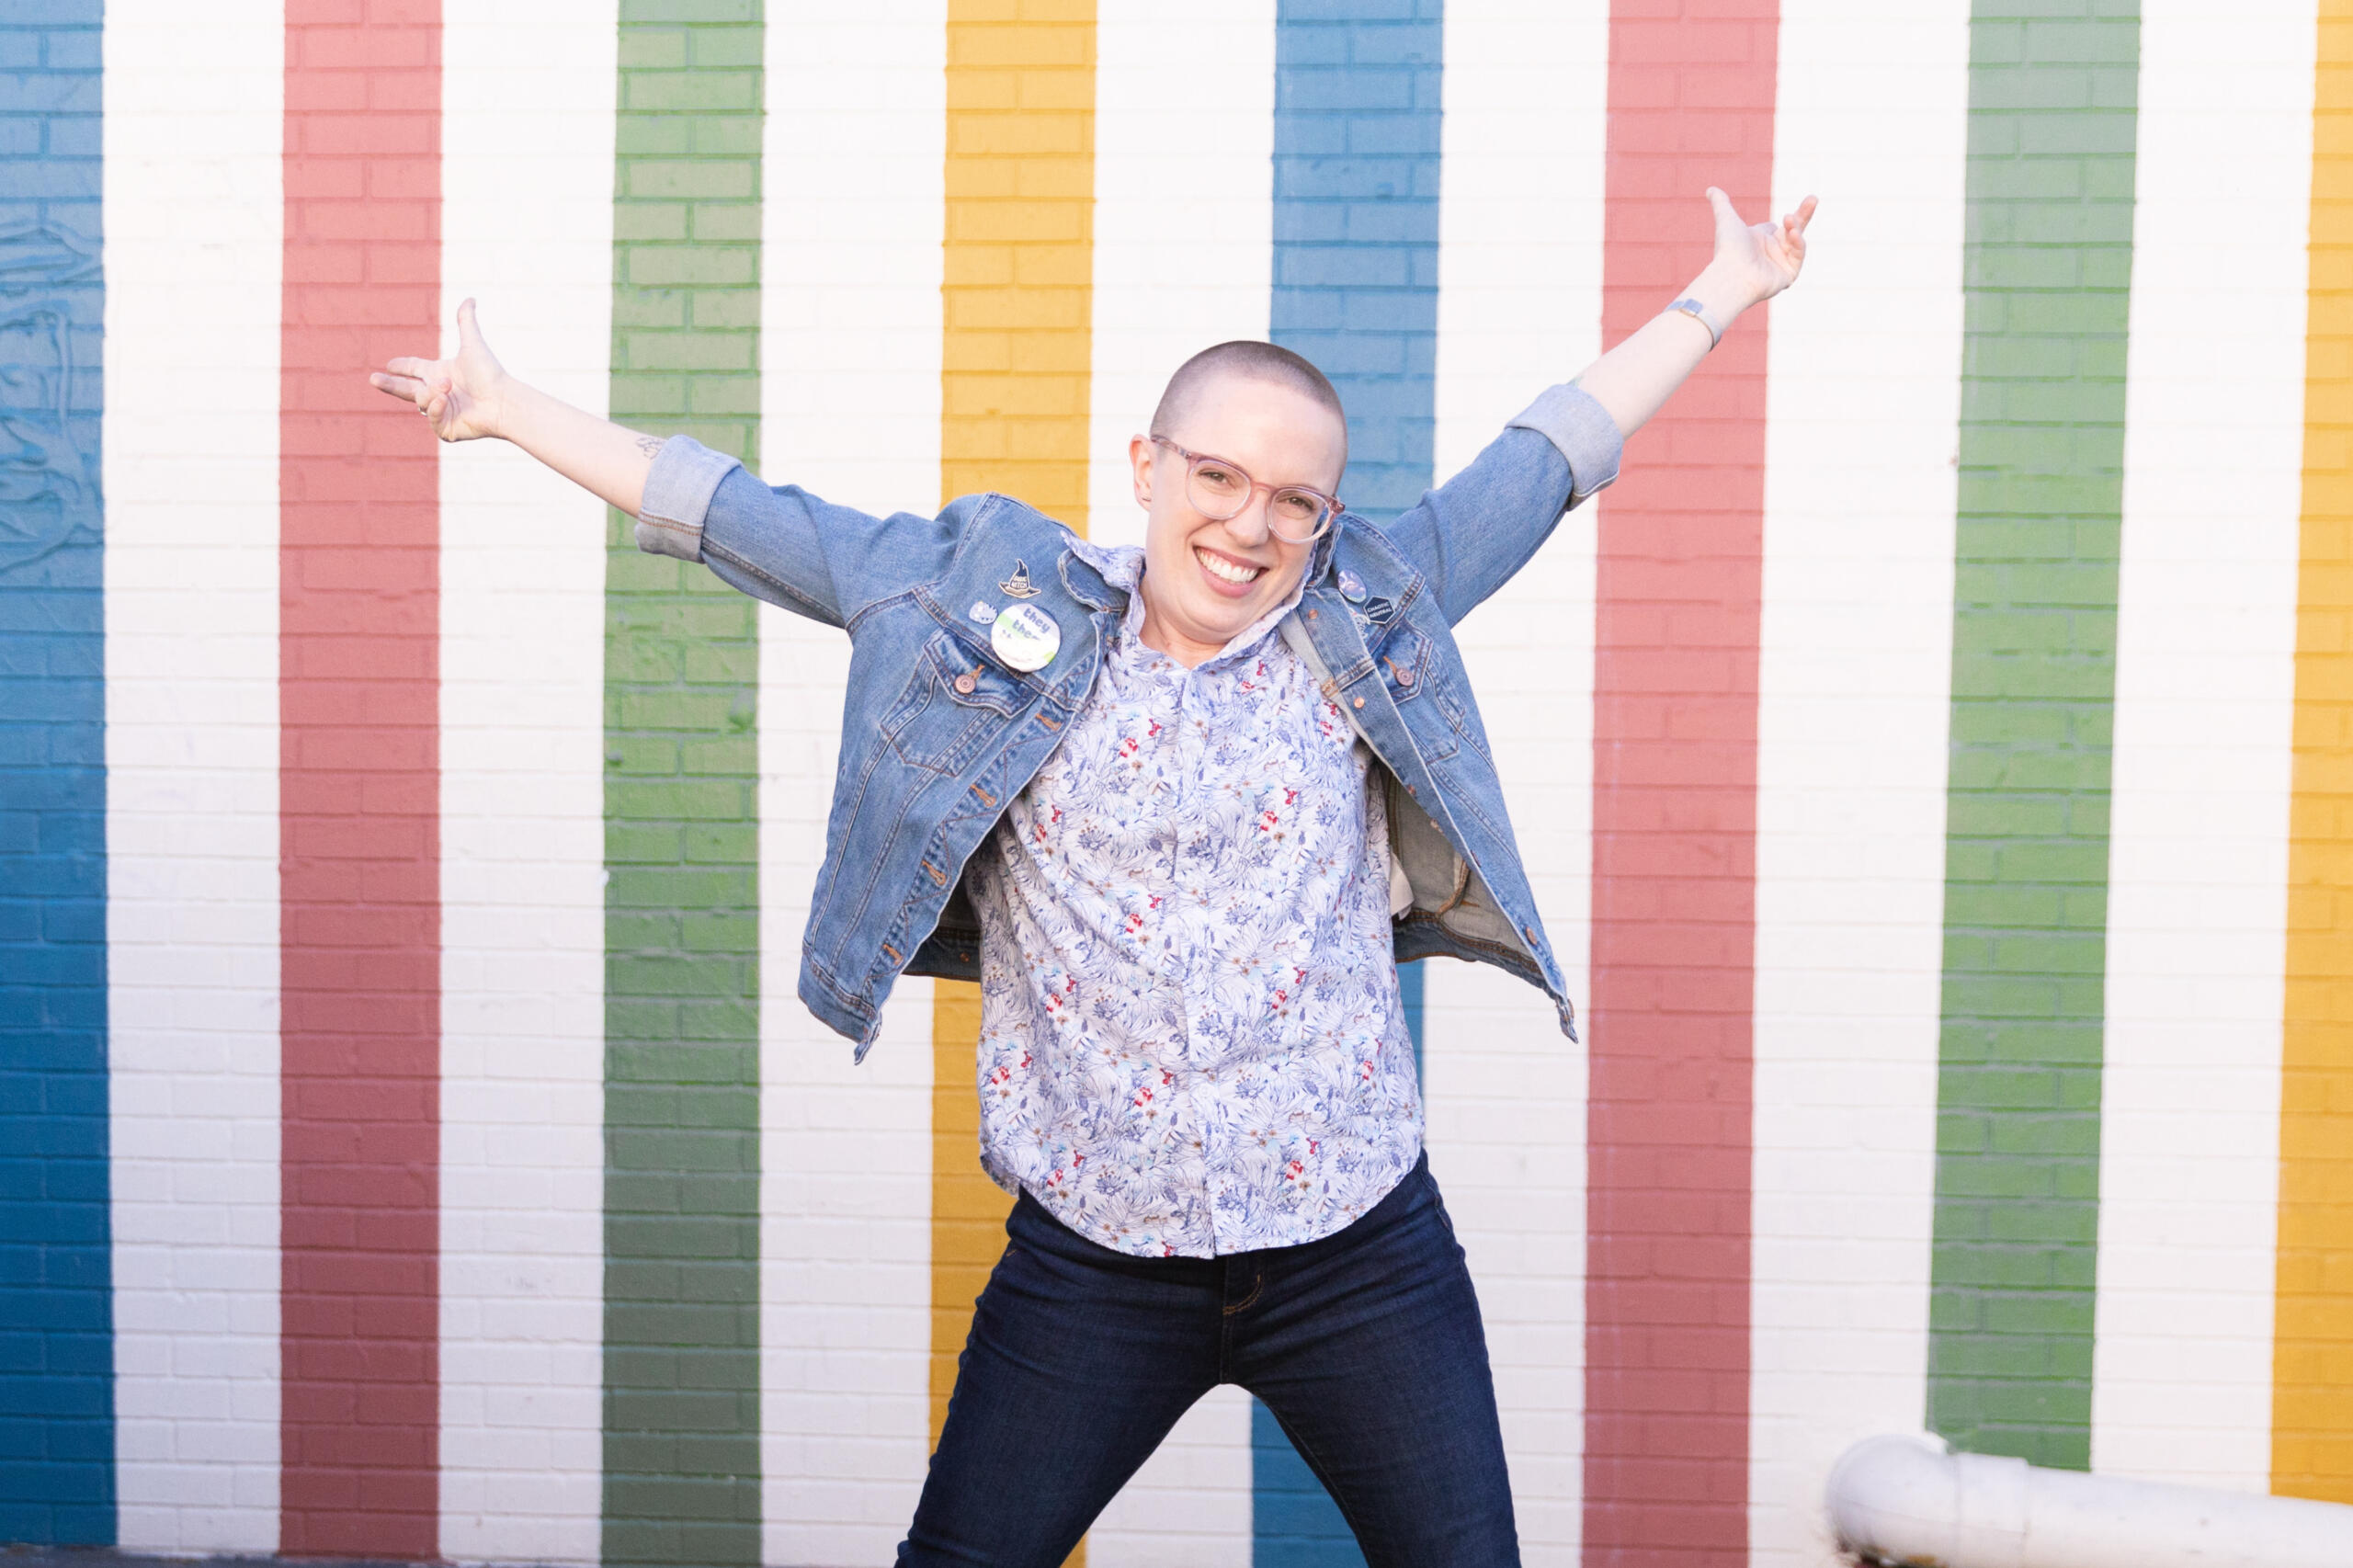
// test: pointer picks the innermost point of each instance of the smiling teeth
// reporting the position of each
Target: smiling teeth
(1221, 567)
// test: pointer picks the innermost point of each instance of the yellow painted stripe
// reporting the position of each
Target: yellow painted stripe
(1018, 278)
(967, 1210)
(2311, 1421)
(1018, 298)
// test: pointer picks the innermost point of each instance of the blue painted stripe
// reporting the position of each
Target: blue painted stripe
(56, 1316)
(1355, 174)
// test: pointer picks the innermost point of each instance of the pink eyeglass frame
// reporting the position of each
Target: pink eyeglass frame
(1332, 508)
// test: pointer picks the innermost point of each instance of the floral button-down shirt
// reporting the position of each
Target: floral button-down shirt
(1191, 1038)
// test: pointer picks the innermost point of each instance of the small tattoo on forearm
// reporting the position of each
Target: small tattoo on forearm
(650, 445)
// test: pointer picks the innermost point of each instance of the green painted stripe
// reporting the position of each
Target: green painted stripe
(2048, 268)
(682, 1450)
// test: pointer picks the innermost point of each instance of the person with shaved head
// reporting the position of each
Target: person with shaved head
(1181, 810)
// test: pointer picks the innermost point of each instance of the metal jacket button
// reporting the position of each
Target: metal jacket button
(1405, 677)
(964, 684)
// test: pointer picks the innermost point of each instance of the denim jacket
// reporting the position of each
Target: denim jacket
(939, 732)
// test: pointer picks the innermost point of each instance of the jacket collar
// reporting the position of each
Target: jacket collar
(1087, 573)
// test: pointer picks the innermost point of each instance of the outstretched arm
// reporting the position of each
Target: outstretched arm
(784, 546)
(1752, 264)
(1473, 533)
(470, 395)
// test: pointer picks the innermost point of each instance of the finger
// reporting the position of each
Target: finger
(1725, 215)
(1804, 215)
(469, 329)
(406, 387)
(410, 367)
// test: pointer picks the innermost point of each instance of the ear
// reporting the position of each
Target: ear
(1140, 451)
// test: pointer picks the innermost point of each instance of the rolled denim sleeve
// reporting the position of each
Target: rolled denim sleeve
(1568, 416)
(788, 547)
(679, 488)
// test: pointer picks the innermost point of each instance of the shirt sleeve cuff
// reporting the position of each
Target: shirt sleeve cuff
(678, 489)
(1568, 416)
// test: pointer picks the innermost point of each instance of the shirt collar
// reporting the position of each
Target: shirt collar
(1121, 566)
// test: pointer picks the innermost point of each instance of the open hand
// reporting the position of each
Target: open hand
(458, 396)
(1759, 259)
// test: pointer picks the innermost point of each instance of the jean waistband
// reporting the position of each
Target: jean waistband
(1034, 1223)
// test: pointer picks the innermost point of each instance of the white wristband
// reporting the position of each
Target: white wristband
(1698, 310)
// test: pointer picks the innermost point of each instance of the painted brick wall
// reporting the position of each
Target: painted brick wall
(2048, 269)
(56, 1405)
(359, 786)
(2313, 1440)
(682, 909)
(696, 1424)
(195, 143)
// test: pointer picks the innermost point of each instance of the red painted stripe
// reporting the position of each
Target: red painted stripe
(1692, 89)
(359, 776)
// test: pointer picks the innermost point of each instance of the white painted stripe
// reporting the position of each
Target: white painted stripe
(1862, 404)
(194, 204)
(1184, 214)
(1184, 257)
(2190, 1125)
(1519, 308)
(1189, 1507)
(527, 227)
(851, 407)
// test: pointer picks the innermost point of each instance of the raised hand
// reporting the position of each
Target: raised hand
(1752, 263)
(460, 397)
(1761, 259)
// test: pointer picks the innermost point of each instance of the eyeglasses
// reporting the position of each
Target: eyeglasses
(1220, 492)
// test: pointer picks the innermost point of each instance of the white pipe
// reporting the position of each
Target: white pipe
(1907, 1500)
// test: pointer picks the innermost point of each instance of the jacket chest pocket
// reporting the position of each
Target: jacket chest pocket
(1408, 670)
(955, 701)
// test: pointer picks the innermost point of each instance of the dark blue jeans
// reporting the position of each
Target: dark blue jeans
(1367, 1346)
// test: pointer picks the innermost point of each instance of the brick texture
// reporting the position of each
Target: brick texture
(56, 1318)
(359, 829)
(1020, 243)
(2046, 272)
(2312, 1451)
(682, 1376)
(1679, 582)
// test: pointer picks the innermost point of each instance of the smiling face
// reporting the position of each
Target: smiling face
(1204, 580)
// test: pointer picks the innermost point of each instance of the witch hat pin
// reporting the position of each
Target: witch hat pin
(1018, 584)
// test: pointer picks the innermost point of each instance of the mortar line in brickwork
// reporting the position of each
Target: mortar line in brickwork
(56, 1307)
(1678, 585)
(1354, 289)
(2312, 1412)
(681, 1335)
(1016, 348)
(359, 788)
(2046, 275)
